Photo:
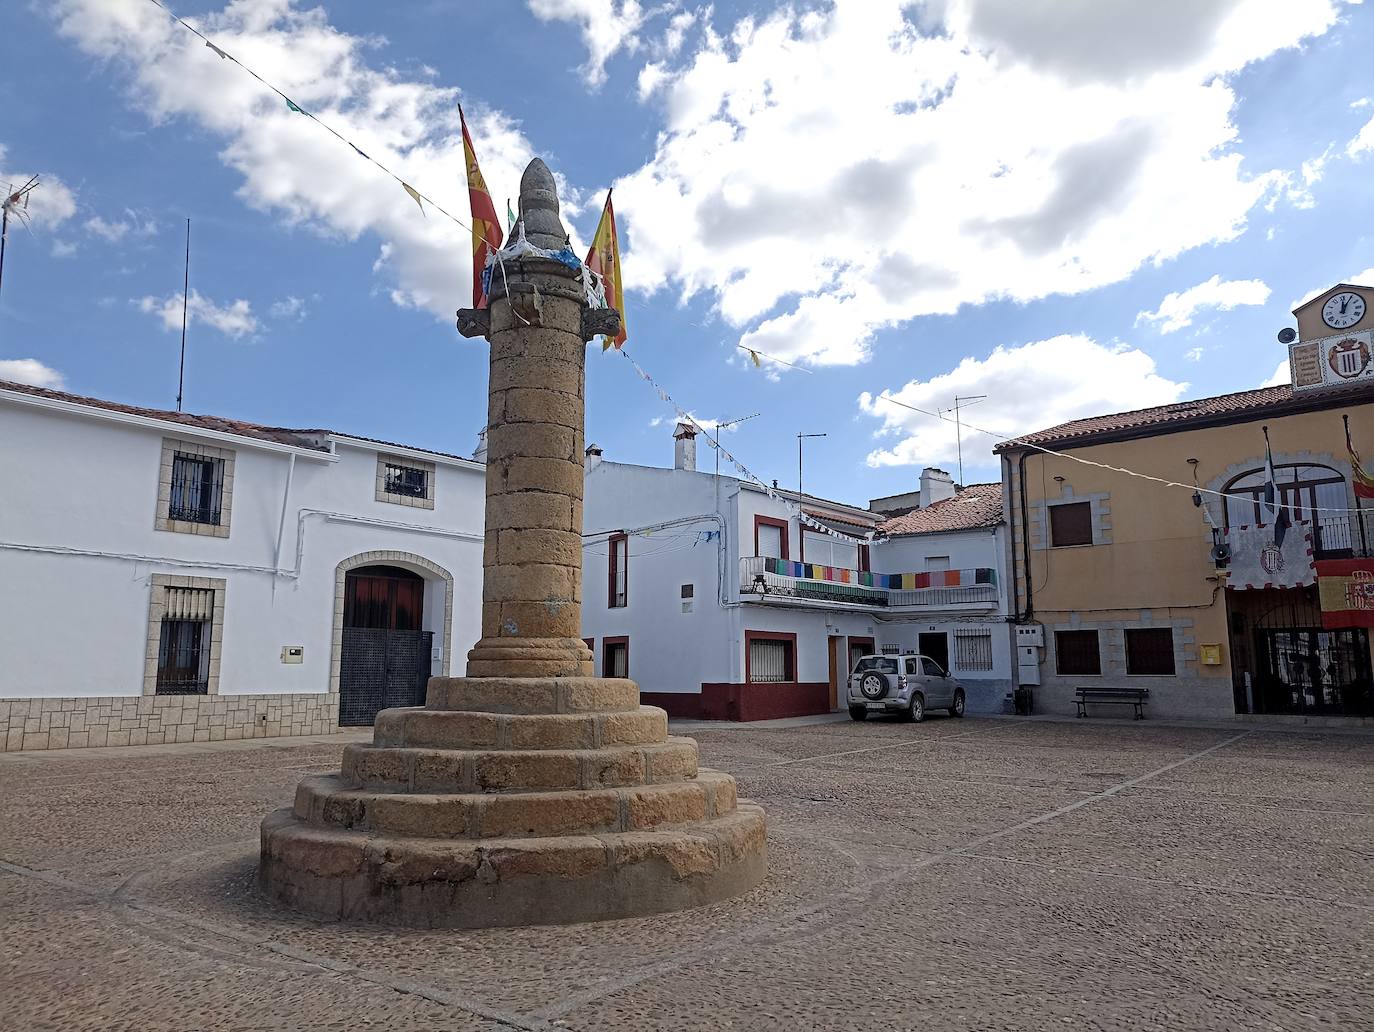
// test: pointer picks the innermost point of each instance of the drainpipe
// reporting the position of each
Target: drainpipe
(285, 499)
(1025, 541)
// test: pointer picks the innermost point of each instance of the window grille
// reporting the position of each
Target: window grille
(1077, 652)
(620, 554)
(770, 660)
(1071, 523)
(183, 655)
(973, 650)
(615, 662)
(1150, 650)
(197, 489)
(407, 481)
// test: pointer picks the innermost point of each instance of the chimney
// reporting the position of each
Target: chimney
(480, 455)
(936, 486)
(593, 455)
(685, 447)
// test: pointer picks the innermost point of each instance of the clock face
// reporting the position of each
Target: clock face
(1343, 309)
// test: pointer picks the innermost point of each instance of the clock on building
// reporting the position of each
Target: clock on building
(1343, 310)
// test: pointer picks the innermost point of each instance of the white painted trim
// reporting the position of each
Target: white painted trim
(400, 451)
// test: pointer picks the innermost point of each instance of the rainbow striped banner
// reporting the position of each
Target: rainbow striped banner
(890, 581)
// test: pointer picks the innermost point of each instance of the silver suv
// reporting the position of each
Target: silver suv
(908, 684)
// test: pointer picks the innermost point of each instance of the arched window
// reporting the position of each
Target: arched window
(1310, 492)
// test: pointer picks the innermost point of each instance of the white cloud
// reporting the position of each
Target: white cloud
(63, 249)
(115, 230)
(1018, 149)
(289, 307)
(30, 371)
(1194, 354)
(235, 319)
(1364, 278)
(1311, 171)
(49, 204)
(292, 167)
(1177, 309)
(1029, 387)
(607, 27)
(1282, 374)
(1363, 141)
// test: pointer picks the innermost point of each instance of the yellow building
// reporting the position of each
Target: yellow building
(1123, 582)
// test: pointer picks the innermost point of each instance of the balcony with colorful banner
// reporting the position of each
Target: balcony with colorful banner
(763, 579)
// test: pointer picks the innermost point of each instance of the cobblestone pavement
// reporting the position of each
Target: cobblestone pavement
(977, 874)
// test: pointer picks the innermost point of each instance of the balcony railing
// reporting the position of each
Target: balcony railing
(1342, 537)
(762, 576)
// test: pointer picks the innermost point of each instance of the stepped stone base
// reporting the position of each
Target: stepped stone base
(514, 801)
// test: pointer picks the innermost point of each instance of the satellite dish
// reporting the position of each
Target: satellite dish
(1221, 554)
(1287, 335)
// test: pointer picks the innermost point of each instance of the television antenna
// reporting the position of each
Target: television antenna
(16, 204)
(967, 401)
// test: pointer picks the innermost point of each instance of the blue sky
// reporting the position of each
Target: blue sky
(1070, 207)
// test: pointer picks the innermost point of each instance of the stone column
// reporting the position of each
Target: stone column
(532, 565)
(529, 791)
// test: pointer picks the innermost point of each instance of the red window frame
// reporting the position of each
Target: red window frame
(606, 644)
(753, 636)
(769, 521)
(864, 559)
(612, 571)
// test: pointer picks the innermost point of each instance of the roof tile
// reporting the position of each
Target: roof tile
(978, 505)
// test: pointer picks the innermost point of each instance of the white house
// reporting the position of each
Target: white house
(172, 577)
(723, 604)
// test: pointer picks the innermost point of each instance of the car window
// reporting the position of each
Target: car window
(931, 667)
(882, 664)
(911, 667)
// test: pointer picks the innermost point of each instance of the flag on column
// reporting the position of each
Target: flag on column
(486, 224)
(1272, 507)
(604, 260)
(1363, 481)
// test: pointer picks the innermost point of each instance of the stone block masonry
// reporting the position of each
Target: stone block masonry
(80, 723)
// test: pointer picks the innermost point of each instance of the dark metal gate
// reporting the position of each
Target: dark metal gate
(380, 669)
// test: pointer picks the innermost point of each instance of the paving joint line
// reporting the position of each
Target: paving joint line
(1093, 872)
(446, 997)
(851, 897)
(907, 743)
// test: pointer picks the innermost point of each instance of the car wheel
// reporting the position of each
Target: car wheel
(917, 711)
(873, 685)
(858, 713)
(957, 710)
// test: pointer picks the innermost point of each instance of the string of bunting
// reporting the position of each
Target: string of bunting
(418, 196)
(741, 469)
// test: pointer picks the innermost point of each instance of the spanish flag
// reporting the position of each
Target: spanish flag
(1363, 481)
(604, 260)
(486, 226)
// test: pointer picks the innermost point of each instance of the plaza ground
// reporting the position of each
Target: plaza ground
(975, 874)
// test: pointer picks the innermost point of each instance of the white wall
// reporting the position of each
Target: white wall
(76, 624)
(967, 550)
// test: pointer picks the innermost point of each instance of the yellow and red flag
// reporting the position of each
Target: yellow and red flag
(486, 226)
(1363, 479)
(604, 260)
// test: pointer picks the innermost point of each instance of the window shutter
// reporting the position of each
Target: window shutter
(190, 603)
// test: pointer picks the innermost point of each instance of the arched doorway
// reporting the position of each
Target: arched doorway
(385, 653)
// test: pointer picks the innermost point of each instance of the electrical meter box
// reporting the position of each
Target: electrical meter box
(293, 653)
(1030, 634)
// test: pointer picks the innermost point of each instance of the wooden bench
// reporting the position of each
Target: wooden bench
(1136, 697)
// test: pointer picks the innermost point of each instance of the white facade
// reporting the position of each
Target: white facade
(690, 533)
(86, 553)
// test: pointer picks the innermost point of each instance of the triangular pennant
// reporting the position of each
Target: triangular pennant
(414, 196)
(293, 106)
(216, 49)
(359, 150)
(755, 356)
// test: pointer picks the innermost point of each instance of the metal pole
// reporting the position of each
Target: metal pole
(799, 462)
(4, 233)
(185, 288)
(959, 428)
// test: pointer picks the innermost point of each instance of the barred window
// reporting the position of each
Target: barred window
(973, 651)
(1150, 651)
(1077, 652)
(615, 658)
(771, 660)
(183, 654)
(197, 488)
(406, 481)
